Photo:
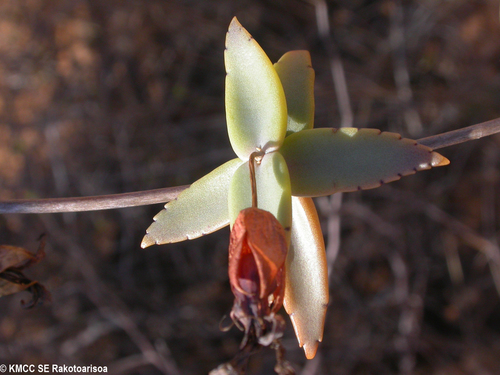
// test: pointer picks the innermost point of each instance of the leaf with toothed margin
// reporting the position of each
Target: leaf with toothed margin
(326, 161)
(198, 210)
(256, 111)
(306, 277)
(273, 190)
(297, 77)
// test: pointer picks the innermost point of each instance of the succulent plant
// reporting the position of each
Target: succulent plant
(270, 114)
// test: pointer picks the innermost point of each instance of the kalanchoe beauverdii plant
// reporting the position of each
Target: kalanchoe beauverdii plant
(269, 111)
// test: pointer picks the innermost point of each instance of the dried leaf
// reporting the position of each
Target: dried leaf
(14, 259)
(8, 287)
(17, 257)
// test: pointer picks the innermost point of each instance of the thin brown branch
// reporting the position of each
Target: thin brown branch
(336, 65)
(455, 137)
(143, 198)
(401, 73)
(330, 207)
(93, 203)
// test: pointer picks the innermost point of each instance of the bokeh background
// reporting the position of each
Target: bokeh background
(102, 97)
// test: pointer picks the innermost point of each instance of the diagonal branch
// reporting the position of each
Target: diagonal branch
(468, 133)
(93, 203)
(146, 197)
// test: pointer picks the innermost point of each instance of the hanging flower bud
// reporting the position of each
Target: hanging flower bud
(257, 253)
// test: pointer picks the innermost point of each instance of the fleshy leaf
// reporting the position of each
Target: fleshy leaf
(297, 77)
(255, 102)
(306, 277)
(198, 210)
(273, 190)
(326, 161)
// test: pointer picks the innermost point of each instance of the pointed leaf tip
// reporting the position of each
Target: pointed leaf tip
(439, 160)
(147, 241)
(256, 111)
(310, 349)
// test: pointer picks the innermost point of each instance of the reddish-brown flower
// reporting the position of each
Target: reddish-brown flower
(257, 253)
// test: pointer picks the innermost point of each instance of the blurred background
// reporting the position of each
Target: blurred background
(103, 97)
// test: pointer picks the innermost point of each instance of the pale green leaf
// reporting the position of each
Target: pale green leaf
(273, 189)
(198, 210)
(255, 102)
(306, 290)
(326, 161)
(297, 77)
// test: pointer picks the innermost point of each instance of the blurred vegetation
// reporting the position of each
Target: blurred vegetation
(101, 97)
